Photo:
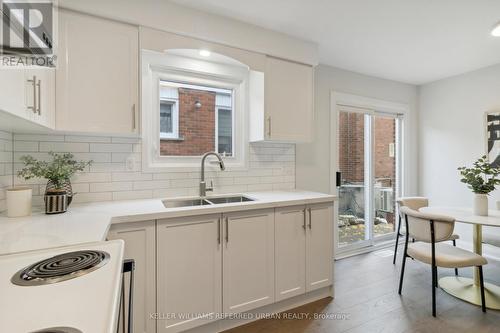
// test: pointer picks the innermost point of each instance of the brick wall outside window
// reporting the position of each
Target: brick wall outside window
(196, 125)
(352, 145)
(351, 154)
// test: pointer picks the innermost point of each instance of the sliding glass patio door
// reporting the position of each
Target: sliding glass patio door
(369, 164)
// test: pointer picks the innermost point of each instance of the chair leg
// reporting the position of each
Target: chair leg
(397, 241)
(434, 291)
(481, 285)
(435, 272)
(402, 274)
(405, 255)
(456, 269)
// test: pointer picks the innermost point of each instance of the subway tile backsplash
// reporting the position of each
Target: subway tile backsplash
(5, 165)
(271, 167)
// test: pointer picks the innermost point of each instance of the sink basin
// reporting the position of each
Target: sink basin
(231, 199)
(176, 203)
(185, 203)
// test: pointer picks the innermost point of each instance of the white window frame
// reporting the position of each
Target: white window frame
(157, 67)
(175, 119)
(217, 108)
(370, 107)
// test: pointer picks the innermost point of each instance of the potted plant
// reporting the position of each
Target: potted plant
(58, 192)
(482, 179)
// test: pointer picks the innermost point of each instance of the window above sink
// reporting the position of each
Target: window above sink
(192, 106)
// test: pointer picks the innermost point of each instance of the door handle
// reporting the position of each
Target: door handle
(310, 219)
(39, 85)
(227, 229)
(304, 224)
(338, 179)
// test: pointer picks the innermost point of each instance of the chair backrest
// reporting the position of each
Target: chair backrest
(414, 203)
(419, 225)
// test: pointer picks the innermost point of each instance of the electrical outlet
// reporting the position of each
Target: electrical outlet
(130, 163)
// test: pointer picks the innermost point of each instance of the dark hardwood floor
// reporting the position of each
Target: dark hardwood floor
(366, 301)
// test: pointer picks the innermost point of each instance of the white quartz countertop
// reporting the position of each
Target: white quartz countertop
(85, 223)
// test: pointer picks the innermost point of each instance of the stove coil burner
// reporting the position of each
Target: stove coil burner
(61, 268)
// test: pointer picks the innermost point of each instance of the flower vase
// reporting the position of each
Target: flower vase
(480, 204)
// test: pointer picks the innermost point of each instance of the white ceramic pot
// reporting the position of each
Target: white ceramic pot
(480, 204)
(18, 201)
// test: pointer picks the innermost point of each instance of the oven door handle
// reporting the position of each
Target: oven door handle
(128, 267)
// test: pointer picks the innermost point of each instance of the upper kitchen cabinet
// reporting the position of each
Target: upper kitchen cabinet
(281, 102)
(28, 102)
(12, 84)
(97, 76)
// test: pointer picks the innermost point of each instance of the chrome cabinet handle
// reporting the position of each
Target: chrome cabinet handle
(39, 85)
(227, 229)
(269, 126)
(218, 230)
(134, 125)
(304, 224)
(310, 219)
(33, 82)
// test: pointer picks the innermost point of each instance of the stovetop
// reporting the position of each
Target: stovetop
(61, 267)
(82, 294)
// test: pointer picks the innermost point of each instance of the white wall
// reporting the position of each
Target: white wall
(313, 160)
(452, 132)
(5, 165)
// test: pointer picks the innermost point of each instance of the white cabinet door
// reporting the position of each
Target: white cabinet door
(319, 246)
(97, 75)
(12, 93)
(189, 279)
(288, 101)
(248, 260)
(290, 261)
(40, 95)
(140, 245)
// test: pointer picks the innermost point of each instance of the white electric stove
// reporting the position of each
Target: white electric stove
(73, 289)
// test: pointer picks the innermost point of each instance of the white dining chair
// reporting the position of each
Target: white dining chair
(433, 230)
(415, 203)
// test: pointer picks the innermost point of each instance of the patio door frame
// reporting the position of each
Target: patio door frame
(370, 108)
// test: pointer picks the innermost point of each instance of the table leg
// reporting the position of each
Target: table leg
(468, 289)
(477, 238)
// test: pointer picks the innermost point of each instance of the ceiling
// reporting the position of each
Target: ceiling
(412, 41)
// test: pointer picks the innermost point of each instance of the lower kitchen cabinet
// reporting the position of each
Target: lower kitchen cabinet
(290, 226)
(248, 260)
(189, 270)
(189, 276)
(304, 249)
(140, 245)
(319, 246)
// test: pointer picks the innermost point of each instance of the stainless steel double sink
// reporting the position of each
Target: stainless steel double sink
(208, 201)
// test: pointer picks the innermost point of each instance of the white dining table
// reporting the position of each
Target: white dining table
(464, 288)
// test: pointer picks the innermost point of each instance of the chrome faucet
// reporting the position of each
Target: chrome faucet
(203, 186)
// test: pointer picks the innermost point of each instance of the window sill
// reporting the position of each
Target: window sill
(171, 139)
